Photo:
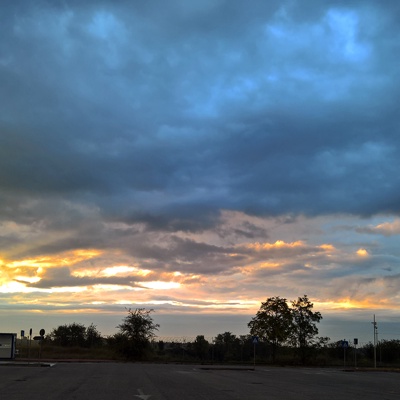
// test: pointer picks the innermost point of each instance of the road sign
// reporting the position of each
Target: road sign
(345, 344)
(255, 339)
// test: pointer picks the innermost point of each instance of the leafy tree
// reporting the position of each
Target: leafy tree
(304, 329)
(201, 346)
(227, 346)
(135, 333)
(76, 335)
(93, 336)
(272, 323)
(246, 347)
(389, 350)
(69, 335)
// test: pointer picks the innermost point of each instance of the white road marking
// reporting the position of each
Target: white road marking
(142, 396)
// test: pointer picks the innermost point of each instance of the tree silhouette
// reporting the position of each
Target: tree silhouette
(135, 333)
(69, 335)
(201, 347)
(304, 325)
(272, 323)
(76, 335)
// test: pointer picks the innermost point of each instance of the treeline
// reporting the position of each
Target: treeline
(280, 333)
(76, 335)
(229, 348)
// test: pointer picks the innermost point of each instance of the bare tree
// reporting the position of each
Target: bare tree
(135, 333)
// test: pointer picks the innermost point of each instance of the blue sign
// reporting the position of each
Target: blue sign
(345, 344)
(255, 339)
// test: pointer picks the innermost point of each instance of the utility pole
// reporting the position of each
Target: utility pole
(375, 334)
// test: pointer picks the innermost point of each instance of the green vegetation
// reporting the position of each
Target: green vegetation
(287, 335)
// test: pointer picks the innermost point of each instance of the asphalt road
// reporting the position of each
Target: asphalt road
(120, 381)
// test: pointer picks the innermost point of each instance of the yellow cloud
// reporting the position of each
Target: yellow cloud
(32, 263)
(161, 285)
(122, 269)
(66, 258)
(277, 245)
(117, 270)
(362, 253)
(389, 228)
(351, 303)
(29, 279)
(14, 287)
(327, 247)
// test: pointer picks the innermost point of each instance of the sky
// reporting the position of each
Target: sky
(197, 158)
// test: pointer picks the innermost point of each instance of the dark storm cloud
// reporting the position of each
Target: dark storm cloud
(167, 114)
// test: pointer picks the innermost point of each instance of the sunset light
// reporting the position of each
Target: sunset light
(277, 245)
(362, 252)
(161, 285)
(197, 159)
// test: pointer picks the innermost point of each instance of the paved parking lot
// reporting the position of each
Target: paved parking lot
(187, 382)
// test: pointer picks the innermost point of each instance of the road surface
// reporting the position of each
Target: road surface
(110, 381)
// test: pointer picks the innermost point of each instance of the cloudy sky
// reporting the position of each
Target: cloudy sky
(198, 157)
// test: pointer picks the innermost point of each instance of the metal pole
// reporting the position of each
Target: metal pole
(344, 353)
(377, 344)
(355, 352)
(344, 356)
(374, 323)
(254, 351)
(355, 356)
(29, 346)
